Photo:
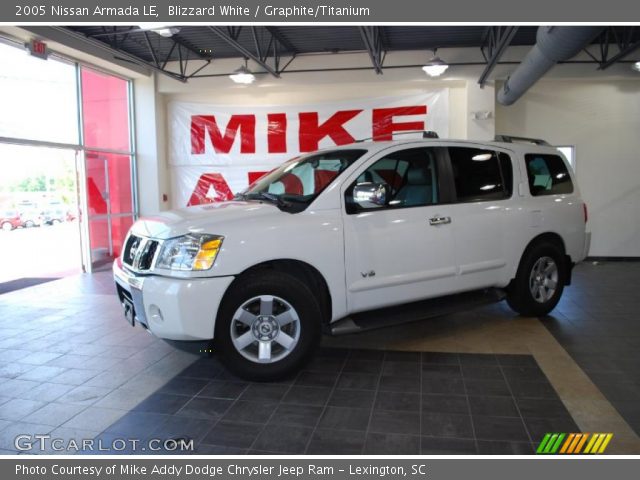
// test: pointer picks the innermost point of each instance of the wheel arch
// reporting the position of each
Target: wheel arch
(305, 272)
(551, 237)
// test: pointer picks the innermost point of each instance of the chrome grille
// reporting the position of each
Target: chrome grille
(139, 252)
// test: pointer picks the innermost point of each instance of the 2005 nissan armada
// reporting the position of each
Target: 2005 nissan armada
(331, 240)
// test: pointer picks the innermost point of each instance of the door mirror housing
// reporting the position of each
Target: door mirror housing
(371, 195)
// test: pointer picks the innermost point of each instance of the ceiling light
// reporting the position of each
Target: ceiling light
(636, 66)
(161, 29)
(243, 75)
(436, 66)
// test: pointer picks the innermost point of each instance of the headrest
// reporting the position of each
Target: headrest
(418, 175)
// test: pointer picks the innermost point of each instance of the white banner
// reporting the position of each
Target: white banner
(216, 151)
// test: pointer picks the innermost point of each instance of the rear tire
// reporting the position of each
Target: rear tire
(540, 280)
(268, 326)
(6, 226)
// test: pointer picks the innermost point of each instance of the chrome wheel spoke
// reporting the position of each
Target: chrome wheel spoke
(542, 294)
(244, 340)
(264, 351)
(246, 318)
(285, 340)
(551, 284)
(266, 305)
(286, 318)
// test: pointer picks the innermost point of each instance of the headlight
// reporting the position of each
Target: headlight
(192, 252)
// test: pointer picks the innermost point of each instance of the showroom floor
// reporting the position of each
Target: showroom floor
(485, 382)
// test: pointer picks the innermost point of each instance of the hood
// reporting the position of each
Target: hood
(210, 218)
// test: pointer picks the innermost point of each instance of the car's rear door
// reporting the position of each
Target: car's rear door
(481, 213)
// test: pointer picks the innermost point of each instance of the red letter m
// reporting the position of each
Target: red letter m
(245, 123)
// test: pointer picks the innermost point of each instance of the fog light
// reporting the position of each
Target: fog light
(155, 314)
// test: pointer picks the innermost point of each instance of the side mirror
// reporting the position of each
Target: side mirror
(370, 195)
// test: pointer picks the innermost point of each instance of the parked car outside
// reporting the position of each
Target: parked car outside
(54, 216)
(10, 220)
(30, 218)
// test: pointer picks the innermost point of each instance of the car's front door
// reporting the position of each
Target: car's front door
(402, 249)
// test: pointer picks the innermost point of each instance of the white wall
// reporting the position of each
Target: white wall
(602, 120)
(151, 165)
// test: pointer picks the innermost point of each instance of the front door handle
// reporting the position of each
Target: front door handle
(439, 220)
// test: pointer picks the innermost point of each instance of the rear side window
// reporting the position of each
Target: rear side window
(548, 175)
(479, 175)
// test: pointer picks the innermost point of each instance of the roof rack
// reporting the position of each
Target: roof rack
(511, 139)
(425, 134)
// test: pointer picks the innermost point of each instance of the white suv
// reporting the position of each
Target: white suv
(331, 240)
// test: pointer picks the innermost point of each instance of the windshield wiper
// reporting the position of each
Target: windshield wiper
(273, 198)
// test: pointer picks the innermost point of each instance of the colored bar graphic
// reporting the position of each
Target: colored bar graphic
(567, 443)
(558, 443)
(604, 445)
(582, 442)
(573, 443)
(551, 443)
(543, 443)
(592, 441)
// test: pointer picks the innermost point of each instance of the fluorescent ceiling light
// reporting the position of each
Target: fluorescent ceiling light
(161, 29)
(636, 66)
(435, 67)
(243, 75)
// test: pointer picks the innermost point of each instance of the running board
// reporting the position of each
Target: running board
(411, 312)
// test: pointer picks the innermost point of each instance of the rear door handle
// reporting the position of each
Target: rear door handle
(439, 220)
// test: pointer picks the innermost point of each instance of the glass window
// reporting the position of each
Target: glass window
(506, 169)
(477, 175)
(409, 177)
(548, 175)
(569, 153)
(296, 183)
(105, 111)
(38, 99)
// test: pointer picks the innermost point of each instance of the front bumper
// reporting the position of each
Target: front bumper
(171, 308)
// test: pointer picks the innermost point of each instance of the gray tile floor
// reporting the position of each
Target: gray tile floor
(598, 324)
(357, 402)
(71, 367)
(68, 364)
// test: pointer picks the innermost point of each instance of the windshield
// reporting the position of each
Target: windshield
(296, 183)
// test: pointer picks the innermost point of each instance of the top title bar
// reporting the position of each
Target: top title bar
(176, 12)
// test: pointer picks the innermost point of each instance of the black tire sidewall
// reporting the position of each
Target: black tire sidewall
(520, 297)
(278, 284)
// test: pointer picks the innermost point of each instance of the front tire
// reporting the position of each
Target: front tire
(539, 282)
(268, 326)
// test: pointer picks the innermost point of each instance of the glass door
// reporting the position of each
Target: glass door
(109, 206)
(107, 168)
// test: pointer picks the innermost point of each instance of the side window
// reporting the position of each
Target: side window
(479, 175)
(408, 176)
(548, 175)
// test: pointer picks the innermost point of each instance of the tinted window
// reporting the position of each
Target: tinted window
(506, 169)
(477, 174)
(409, 175)
(548, 175)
